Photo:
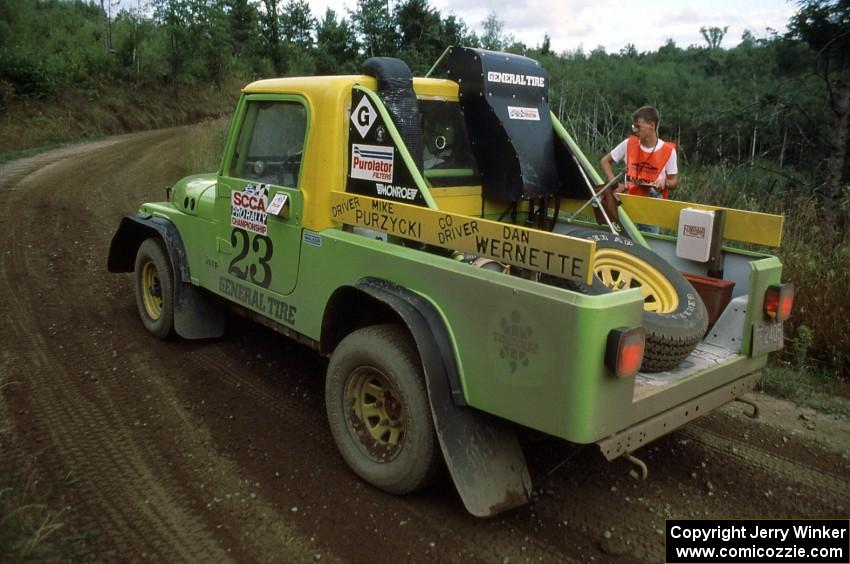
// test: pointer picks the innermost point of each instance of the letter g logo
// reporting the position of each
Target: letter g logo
(363, 116)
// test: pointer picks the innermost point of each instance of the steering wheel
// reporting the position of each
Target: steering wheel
(289, 169)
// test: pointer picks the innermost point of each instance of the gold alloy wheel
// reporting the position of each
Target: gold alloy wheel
(620, 271)
(151, 290)
(375, 413)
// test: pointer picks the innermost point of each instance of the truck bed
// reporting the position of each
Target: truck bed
(704, 356)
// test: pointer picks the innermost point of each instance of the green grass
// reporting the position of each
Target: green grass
(26, 153)
(109, 109)
(29, 529)
(818, 388)
(205, 145)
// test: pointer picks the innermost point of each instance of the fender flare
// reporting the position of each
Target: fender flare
(132, 232)
(481, 451)
(196, 314)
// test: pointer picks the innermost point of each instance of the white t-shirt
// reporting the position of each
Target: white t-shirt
(671, 168)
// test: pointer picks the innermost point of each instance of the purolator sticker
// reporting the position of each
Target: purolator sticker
(372, 162)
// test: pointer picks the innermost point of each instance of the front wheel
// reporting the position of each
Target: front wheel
(154, 288)
(378, 409)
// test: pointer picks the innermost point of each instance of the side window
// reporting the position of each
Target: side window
(447, 155)
(271, 143)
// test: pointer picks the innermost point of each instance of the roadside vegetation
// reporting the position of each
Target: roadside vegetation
(760, 121)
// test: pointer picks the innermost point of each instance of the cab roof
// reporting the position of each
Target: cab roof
(318, 86)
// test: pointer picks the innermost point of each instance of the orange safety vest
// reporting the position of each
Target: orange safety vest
(645, 166)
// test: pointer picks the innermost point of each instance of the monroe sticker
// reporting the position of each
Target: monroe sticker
(248, 208)
(399, 192)
(372, 162)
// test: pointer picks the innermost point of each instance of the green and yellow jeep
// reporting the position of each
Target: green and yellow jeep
(429, 236)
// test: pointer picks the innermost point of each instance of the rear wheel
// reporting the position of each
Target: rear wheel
(378, 409)
(674, 316)
(154, 288)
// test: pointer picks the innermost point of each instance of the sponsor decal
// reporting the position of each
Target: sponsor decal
(248, 208)
(518, 79)
(363, 116)
(381, 134)
(312, 239)
(515, 112)
(372, 162)
(514, 340)
(695, 231)
(399, 192)
(277, 203)
(258, 300)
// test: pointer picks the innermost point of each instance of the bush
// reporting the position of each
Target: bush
(29, 75)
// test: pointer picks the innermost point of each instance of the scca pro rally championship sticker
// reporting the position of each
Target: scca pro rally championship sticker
(248, 208)
(372, 162)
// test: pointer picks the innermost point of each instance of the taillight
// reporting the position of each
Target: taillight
(624, 350)
(778, 301)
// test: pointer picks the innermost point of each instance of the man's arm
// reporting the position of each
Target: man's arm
(671, 169)
(606, 163)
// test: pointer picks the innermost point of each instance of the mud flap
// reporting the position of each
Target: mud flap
(482, 452)
(196, 315)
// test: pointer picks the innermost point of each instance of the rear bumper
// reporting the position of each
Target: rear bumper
(648, 430)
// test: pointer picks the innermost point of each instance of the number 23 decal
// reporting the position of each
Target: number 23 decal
(241, 239)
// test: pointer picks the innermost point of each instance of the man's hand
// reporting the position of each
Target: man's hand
(657, 188)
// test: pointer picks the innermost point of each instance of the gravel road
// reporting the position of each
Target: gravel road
(220, 450)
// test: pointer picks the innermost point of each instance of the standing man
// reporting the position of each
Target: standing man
(651, 166)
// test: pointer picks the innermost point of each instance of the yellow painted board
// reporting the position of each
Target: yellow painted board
(750, 227)
(550, 253)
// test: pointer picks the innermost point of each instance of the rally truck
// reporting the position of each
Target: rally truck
(434, 238)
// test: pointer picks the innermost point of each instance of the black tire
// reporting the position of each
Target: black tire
(384, 354)
(154, 288)
(671, 335)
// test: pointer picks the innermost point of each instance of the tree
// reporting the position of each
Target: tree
(713, 35)
(825, 26)
(270, 25)
(420, 34)
(455, 32)
(242, 18)
(375, 27)
(546, 48)
(175, 18)
(297, 23)
(211, 38)
(106, 7)
(494, 37)
(336, 46)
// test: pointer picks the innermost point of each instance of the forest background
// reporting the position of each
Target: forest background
(761, 122)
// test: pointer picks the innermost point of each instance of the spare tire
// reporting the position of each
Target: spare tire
(674, 315)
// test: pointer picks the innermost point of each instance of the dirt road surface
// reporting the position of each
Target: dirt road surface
(220, 450)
